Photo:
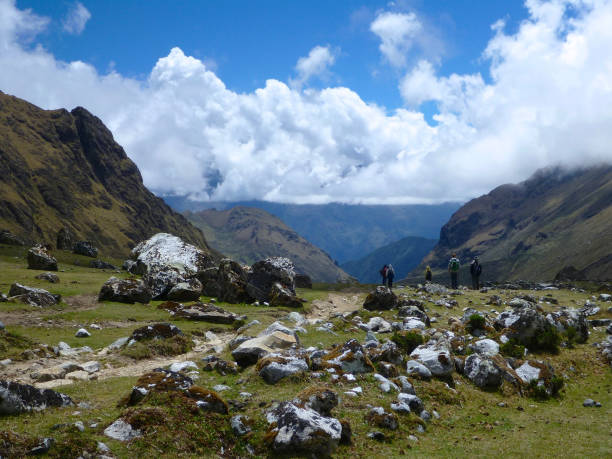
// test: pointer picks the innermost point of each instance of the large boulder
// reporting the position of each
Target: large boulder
(32, 296)
(209, 279)
(8, 238)
(303, 281)
(18, 398)
(189, 290)
(125, 291)
(160, 280)
(232, 281)
(436, 357)
(165, 250)
(65, 239)
(206, 312)
(483, 371)
(40, 258)
(280, 295)
(85, 248)
(250, 351)
(567, 318)
(380, 299)
(303, 431)
(266, 273)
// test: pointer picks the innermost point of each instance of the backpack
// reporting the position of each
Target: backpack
(454, 265)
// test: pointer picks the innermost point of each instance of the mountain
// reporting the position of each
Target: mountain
(404, 255)
(64, 169)
(345, 231)
(248, 234)
(556, 219)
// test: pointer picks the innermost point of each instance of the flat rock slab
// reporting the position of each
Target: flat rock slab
(207, 313)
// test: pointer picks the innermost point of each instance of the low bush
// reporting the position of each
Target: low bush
(512, 349)
(475, 322)
(176, 345)
(407, 341)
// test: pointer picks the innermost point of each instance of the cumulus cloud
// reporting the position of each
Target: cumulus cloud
(317, 63)
(547, 102)
(397, 33)
(76, 19)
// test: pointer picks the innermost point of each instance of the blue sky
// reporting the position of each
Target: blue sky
(248, 42)
(336, 101)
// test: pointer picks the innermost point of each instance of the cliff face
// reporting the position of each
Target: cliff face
(533, 230)
(64, 169)
(248, 235)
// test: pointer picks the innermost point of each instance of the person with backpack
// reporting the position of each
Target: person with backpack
(390, 276)
(428, 274)
(475, 271)
(383, 273)
(453, 269)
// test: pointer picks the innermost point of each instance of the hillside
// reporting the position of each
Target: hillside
(345, 231)
(554, 220)
(404, 255)
(64, 169)
(247, 234)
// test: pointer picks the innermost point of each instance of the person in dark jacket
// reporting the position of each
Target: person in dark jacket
(453, 269)
(383, 273)
(475, 271)
(390, 275)
(428, 274)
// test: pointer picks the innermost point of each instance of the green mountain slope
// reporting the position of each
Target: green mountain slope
(64, 169)
(532, 230)
(248, 235)
(404, 255)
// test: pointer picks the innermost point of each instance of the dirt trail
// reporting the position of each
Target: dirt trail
(334, 304)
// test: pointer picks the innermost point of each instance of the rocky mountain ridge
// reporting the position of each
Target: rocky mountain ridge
(61, 169)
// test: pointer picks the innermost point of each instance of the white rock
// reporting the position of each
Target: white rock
(122, 431)
(180, 366)
(527, 373)
(486, 347)
(91, 367)
(436, 358)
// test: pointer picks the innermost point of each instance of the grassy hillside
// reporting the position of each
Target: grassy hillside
(247, 234)
(64, 169)
(404, 255)
(534, 229)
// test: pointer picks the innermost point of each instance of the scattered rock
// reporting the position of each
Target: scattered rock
(380, 299)
(85, 248)
(269, 272)
(40, 258)
(590, 403)
(42, 448)
(49, 277)
(415, 403)
(18, 398)
(125, 291)
(415, 312)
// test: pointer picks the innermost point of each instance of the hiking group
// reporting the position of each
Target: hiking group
(388, 274)
(475, 271)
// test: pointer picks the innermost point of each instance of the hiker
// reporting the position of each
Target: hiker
(383, 273)
(453, 269)
(390, 276)
(428, 274)
(475, 271)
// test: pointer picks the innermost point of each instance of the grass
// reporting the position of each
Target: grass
(471, 423)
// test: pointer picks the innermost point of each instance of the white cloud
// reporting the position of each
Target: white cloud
(548, 102)
(397, 32)
(76, 19)
(317, 63)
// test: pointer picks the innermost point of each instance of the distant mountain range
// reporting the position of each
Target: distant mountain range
(248, 234)
(556, 220)
(404, 255)
(345, 231)
(64, 169)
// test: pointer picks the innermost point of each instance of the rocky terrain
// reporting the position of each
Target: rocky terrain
(248, 234)
(556, 223)
(404, 255)
(148, 362)
(62, 170)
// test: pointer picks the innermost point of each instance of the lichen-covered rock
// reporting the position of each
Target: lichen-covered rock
(349, 358)
(415, 403)
(567, 318)
(386, 352)
(379, 325)
(318, 398)
(275, 367)
(486, 347)
(32, 296)
(125, 291)
(303, 431)
(189, 290)
(122, 431)
(415, 312)
(40, 258)
(161, 280)
(482, 371)
(232, 281)
(18, 398)
(380, 299)
(414, 368)
(164, 250)
(266, 273)
(85, 248)
(378, 417)
(436, 357)
(49, 277)
(156, 331)
(522, 323)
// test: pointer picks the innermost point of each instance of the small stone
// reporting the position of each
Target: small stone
(181, 366)
(221, 388)
(589, 403)
(378, 436)
(79, 425)
(82, 333)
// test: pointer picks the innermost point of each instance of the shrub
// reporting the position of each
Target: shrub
(407, 341)
(512, 349)
(475, 322)
(547, 340)
(176, 345)
(570, 334)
